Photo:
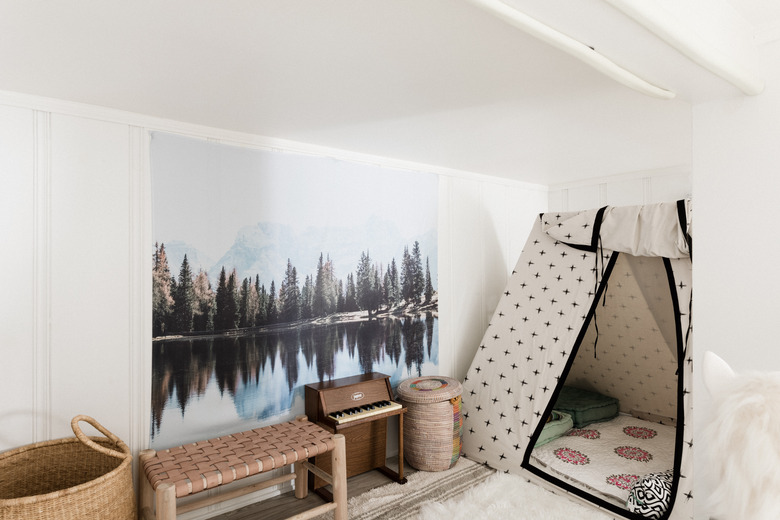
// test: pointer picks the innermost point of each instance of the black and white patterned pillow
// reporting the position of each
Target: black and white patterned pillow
(651, 494)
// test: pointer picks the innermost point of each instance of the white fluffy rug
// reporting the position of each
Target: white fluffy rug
(511, 497)
(467, 491)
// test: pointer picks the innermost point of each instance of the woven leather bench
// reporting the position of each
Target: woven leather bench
(179, 472)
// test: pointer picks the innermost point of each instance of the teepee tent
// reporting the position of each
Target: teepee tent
(582, 380)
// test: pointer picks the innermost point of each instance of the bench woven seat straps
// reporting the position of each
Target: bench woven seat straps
(195, 467)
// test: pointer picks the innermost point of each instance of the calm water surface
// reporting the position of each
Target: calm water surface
(204, 387)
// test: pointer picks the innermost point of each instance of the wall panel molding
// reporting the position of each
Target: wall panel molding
(42, 276)
(679, 169)
(633, 188)
(139, 222)
(603, 194)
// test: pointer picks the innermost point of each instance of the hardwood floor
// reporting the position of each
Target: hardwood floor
(286, 505)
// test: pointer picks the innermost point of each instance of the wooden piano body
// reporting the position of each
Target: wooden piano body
(365, 431)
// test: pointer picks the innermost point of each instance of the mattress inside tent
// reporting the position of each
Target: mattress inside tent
(607, 458)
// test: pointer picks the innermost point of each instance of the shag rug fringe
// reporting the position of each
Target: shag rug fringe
(508, 496)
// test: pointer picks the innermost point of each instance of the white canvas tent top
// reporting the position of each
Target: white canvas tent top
(599, 300)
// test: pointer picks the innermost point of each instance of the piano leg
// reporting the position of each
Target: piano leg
(401, 477)
(398, 476)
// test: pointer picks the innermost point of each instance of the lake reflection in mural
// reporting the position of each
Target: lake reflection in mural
(262, 375)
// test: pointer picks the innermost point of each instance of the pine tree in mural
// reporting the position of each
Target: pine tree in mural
(318, 300)
(350, 295)
(243, 304)
(428, 281)
(407, 276)
(331, 286)
(412, 275)
(368, 287)
(390, 288)
(376, 285)
(340, 297)
(272, 311)
(325, 300)
(252, 303)
(204, 304)
(289, 296)
(221, 304)
(307, 298)
(248, 304)
(232, 315)
(262, 303)
(363, 282)
(226, 317)
(396, 284)
(162, 298)
(418, 279)
(183, 299)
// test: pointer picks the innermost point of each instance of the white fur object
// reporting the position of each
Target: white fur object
(507, 496)
(742, 442)
(716, 371)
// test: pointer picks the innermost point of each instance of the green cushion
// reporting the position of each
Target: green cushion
(586, 407)
(560, 424)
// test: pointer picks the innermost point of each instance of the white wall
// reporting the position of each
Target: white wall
(77, 251)
(736, 158)
(74, 332)
(481, 235)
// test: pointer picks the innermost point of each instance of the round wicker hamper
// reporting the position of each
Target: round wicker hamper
(433, 425)
(67, 479)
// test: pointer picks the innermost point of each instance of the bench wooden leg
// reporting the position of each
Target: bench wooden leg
(301, 473)
(339, 469)
(301, 480)
(165, 499)
(145, 491)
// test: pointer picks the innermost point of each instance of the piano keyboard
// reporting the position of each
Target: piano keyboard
(366, 410)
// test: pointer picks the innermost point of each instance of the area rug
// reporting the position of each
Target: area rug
(402, 502)
(467, 491)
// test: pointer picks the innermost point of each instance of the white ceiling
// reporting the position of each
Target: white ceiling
(438, 82)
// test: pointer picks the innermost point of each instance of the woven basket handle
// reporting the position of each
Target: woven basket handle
(74, 424)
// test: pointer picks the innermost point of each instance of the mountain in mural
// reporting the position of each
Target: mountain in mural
(176, 249)
(264, 248)
(261, 249)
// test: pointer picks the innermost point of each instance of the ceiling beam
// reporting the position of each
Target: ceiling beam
(571, 46)
(668, 28)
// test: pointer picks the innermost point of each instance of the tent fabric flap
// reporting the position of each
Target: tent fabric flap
(649, 230)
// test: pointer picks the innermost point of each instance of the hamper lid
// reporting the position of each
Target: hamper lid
(429, 389)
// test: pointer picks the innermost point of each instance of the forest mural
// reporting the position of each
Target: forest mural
(273, 270)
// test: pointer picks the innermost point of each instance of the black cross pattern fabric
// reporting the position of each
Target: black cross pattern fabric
(633, 343)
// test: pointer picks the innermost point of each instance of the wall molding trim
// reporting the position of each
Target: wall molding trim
(41, 385)
(679, 169)
(634, 188)
(140, 318)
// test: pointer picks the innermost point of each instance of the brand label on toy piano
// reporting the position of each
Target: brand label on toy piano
(357, 396)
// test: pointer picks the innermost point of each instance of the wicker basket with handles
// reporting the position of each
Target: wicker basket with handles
(433, 425)
(66, 479)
